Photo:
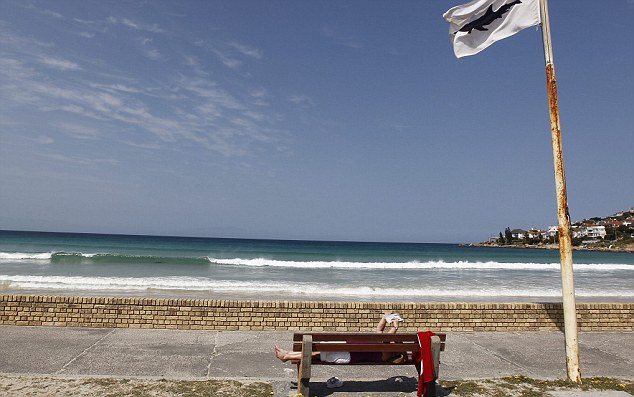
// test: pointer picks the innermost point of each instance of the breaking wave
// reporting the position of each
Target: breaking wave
(201, 284)
(96, 258)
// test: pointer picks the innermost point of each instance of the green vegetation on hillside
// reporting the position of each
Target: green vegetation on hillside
(612, 232)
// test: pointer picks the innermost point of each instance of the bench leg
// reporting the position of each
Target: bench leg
(302, 386)
(435, 354)
(303, 368)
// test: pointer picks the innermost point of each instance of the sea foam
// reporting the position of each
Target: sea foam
(414, 265)
(202, 284)
(18, 256)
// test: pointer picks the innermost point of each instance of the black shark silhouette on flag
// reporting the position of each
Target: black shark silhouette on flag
(488, 18)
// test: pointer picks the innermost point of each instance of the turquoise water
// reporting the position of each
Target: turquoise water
(91, 264)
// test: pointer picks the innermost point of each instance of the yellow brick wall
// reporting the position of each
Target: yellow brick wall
(111, 312)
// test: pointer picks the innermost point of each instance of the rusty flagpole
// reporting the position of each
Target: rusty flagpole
(563, 217)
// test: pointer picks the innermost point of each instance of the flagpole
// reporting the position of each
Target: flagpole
(563, 217)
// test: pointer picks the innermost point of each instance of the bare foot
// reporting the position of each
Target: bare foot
(281, 354)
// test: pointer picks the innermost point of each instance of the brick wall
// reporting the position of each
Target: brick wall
(70, 311)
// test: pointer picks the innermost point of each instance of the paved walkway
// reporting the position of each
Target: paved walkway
(248, 356)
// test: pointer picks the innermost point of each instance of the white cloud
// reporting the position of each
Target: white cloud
(83, 21)
(154, 28)
(15, 69)
(60, 64)
(153, 54)
(229, 53)
(259, 96)
(186, 110)
(9, 39)
(116, 87)
(210, 91)
(44, 140)
(246, 50)
(77, 130)
(226, 60)
(46, 12)
(259, 93)
(52, 14)
(79, 160)
(302, 100)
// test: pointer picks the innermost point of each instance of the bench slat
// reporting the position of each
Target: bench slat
(365, 347)
(316, 361)
(362, 342)
(323, 336)
(369, 336)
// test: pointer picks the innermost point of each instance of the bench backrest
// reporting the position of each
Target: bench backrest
(362, 342)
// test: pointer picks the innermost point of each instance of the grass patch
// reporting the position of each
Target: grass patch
(113, 387)
(512, 386)
(465, 388)
(601, 383)
(523, 386)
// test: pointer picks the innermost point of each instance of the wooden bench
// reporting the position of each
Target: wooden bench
(309, 342)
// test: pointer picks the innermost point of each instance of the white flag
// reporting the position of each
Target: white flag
(478, 24)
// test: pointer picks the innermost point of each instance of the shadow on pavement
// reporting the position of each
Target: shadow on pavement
(394, 384)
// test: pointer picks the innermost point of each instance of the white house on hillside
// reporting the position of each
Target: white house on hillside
(595, 231)
(592, 231)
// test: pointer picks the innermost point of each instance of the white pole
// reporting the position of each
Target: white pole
(565, 243)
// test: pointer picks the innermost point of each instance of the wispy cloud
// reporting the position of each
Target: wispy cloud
(116, 87)
(77, 131)
(194, 63)
(259, 97)
(10, 39)
(230, 52)
(227, 60)
(43, 140)
(60, 64)
(246, 50)
(302, 100)
(52, 14)
(84, 21)
(44, 11)
(153, 54)
(185, 110)
(148, 50)
(154, 28)
(79, 160)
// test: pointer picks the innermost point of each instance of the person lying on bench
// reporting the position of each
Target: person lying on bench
(354, 357)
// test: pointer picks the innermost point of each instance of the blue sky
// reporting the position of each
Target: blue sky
(331, 120)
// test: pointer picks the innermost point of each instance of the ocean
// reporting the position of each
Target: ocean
(217, 268)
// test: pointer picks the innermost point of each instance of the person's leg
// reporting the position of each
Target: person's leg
(285, 355)
(381, 327)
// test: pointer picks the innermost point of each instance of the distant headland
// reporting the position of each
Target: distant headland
(610, 233)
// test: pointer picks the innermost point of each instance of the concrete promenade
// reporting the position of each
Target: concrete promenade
(247, 356)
